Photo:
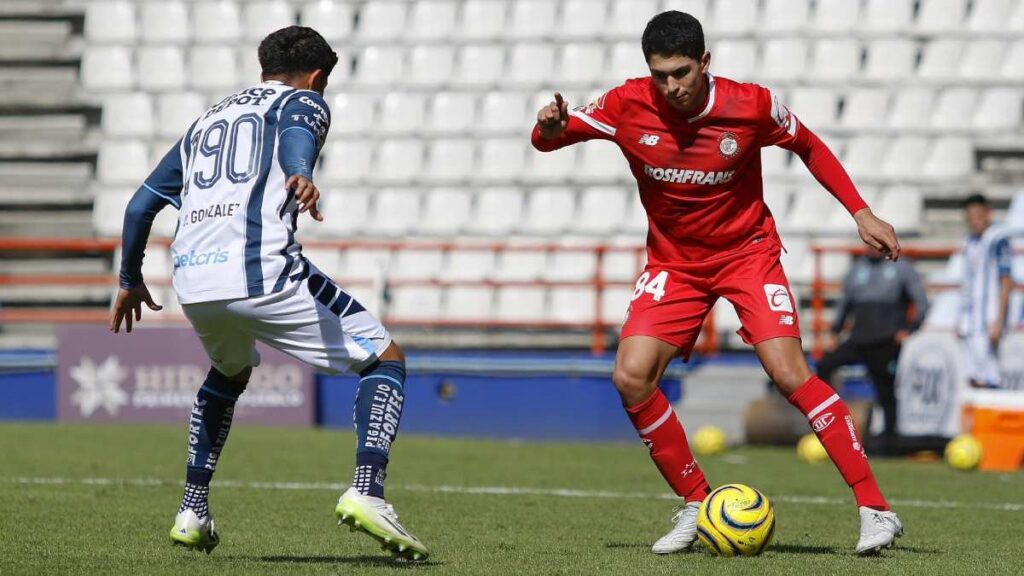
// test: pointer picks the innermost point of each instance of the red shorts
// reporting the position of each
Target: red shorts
(671, 301)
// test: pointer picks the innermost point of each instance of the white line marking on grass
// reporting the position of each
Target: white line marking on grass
(492, 491)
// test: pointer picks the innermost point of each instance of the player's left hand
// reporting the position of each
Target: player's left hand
(306, 194)
(995, 334)
(878, 234)
(129, 304)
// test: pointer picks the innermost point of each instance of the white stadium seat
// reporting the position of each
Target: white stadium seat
(582, 18)
(549, 211)
(520, 265)
(262, 18)
(122, 162)
(785, 15)
(887, 15)
(107, 68)
(416, 264)
(954, 108)
(161, 68)
(982, 60)
(213, 68)
(342, 71)
(835, 15)
(469, 303)
(163, 22)
(446, 211)
(733, 16)
(432, 19)
(783, 59)
(175, 112)
(636, 216)
(382, 20)
(345, 212)
(159, 148)
(532, 19)
(628, 19)
(940, 59)
(941, 15)
(364, 264)
(912, 108)
(1016, 22)
(777, 198)
(891, 59)
(601, 210)
(380, 66)
(840, 223)
(503, 111)
(353, 113)
(110, 21)
(774, 161)
(614, 303)
(625, 60)
(108, 211)
(835, 59)
(863, 155)
(602, 161)
(346, 161)
(451, 113)
(497, 212)
(949, 157)
(521, 304)
(1013, 66)
(216, 21)
(810, 211)
(482, 19)
(401, 113)
(415, 303)
(904, 157)
(990, 15)
(468, 264)
(431, 65)
(902, 207)
(571, 266)
(551, 167)
(327, 260)
(395, 212)
(581, 63)
(479, 65)
(128, 115)
(450, 160)
(398, 160)
(735, 59)
(530, 64)
(501, 159)
(576, 305)
(999, 109)
(333, 19)
(815, 107)
(865, 108)
(250, 71)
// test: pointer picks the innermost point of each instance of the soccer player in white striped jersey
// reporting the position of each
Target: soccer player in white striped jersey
(240, 178)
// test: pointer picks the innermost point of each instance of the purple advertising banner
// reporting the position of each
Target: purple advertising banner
(153, 374)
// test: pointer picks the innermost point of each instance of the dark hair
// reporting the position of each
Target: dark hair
(976, 199)
(296, 49)
(673, 33)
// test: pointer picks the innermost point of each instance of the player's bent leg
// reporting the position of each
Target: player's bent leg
(639, 365)
(783, 360)
(209, 424)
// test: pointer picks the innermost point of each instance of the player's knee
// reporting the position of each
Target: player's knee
(634, 379)
(788, 378)
(393, 353)
(238, 380)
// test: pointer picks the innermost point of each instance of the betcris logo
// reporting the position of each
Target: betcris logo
(200, 259)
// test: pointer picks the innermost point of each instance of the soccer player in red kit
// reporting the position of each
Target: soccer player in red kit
(693, 144)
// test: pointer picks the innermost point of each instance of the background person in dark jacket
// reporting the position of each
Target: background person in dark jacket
(877, 296)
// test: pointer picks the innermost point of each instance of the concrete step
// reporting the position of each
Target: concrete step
(46, 223)
(46, 295)
(45, 264)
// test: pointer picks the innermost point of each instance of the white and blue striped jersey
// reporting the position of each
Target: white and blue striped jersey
(987, 258)
(226, 176)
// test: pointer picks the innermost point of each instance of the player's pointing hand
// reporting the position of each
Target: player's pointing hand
(306, 194)
(553, 118)
(877, 233)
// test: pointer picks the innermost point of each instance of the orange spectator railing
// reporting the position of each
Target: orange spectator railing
(599, 282)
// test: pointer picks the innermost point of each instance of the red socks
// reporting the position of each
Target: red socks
(661, 431)
(833, 424)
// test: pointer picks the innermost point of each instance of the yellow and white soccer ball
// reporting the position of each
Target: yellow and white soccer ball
(709, 440)
(963, 452)
(736, 520)
(809, 449)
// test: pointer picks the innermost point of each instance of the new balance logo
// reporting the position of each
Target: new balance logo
(786, 320)
(649, 139)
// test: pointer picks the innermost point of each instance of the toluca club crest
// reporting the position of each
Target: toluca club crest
(728, 145)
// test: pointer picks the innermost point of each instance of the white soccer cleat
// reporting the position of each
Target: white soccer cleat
(194, 532)
(878, 530)
(377, 518)
(682, 536)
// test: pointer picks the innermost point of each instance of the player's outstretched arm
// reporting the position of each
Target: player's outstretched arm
(877, 233)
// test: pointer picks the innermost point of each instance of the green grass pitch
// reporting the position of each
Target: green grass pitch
(90, 499)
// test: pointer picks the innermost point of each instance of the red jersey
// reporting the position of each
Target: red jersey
(699, 175)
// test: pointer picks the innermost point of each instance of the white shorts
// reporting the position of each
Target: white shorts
(311, 319)
(981, 362)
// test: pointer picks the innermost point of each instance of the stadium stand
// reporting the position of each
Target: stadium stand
(433, 101)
